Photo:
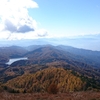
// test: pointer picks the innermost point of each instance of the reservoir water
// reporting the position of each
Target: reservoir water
(15, 59)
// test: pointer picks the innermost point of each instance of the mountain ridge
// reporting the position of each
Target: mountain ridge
(48, 56)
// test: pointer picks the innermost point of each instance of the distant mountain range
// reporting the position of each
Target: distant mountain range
(47, 52)
(81, 55)
(82, 63)
(90, 42)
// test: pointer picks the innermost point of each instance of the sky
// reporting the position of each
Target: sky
(33, 19)
(47, 19)
(69, 17)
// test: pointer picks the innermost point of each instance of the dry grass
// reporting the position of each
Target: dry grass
(45, 96)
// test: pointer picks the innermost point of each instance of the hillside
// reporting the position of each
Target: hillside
(49, 53)
(11, 52)
(87, 56)
(41, 80)
(80, 55)
(40, 58)
(47, 56)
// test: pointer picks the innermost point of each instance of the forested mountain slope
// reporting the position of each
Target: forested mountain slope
(41, 80)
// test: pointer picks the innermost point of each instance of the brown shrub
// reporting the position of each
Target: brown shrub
(52, 89)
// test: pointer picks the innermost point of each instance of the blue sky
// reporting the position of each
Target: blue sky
(68, 17)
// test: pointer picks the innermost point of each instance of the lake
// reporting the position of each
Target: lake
(15, 59)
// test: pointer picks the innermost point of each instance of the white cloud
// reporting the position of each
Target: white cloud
(42, 33)
(16, 8)
(29, 35)
(4, 35)
(15, 20)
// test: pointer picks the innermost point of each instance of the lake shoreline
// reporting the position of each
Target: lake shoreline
(12, 60)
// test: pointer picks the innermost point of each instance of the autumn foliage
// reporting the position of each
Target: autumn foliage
(47, 80)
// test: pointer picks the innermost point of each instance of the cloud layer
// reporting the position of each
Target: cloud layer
(14, 18)
(19, 28)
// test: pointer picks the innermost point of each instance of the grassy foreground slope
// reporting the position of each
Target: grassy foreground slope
(45, 96)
